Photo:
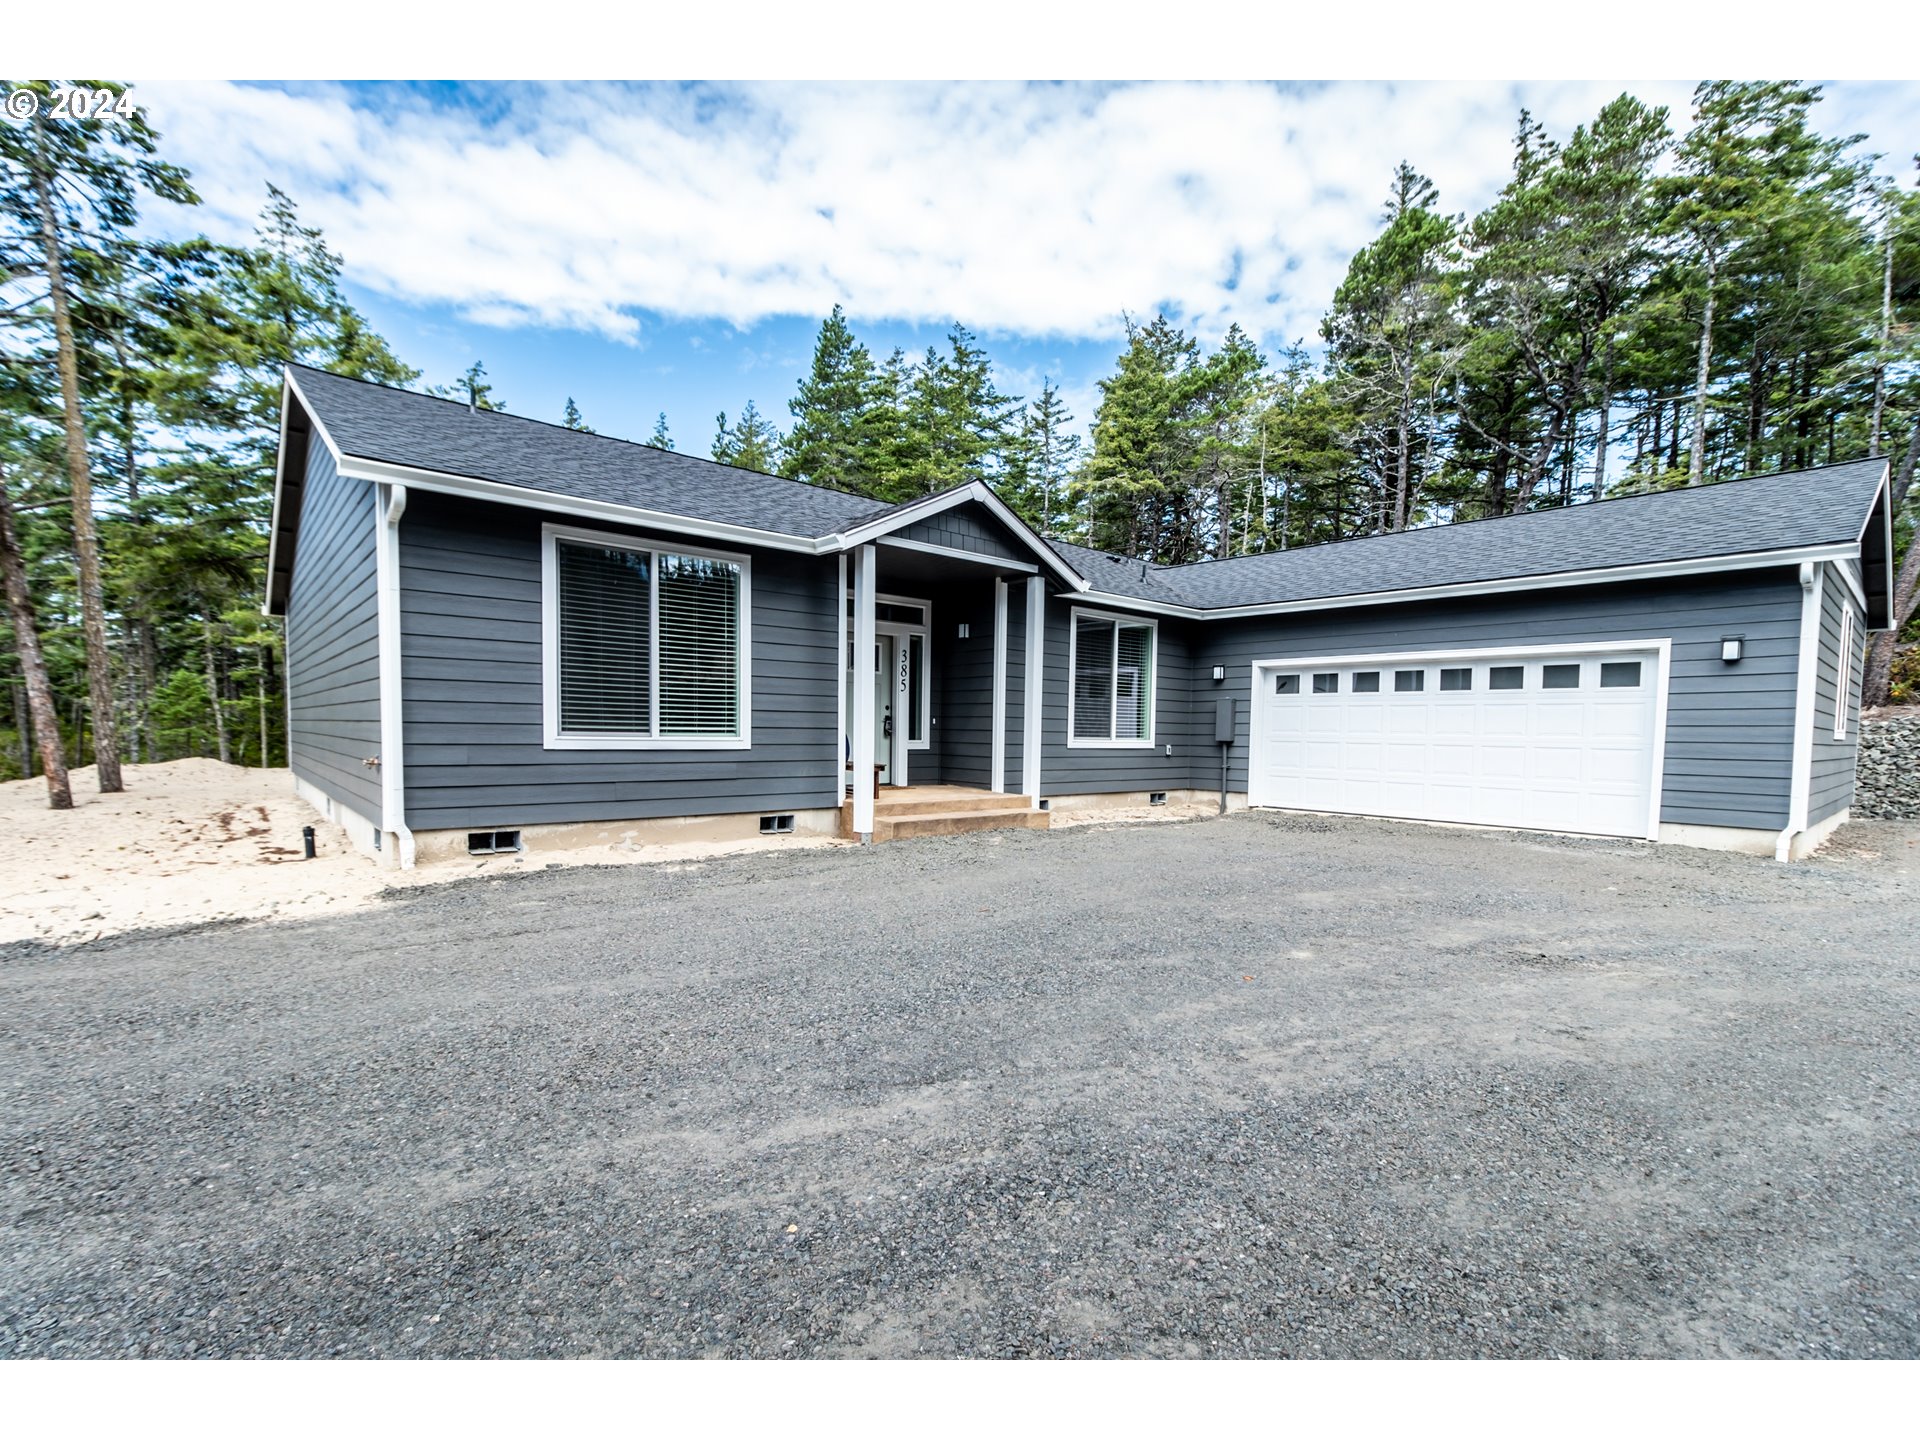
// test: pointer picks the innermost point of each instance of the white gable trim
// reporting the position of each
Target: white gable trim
(972, 492)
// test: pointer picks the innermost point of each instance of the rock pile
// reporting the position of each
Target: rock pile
(1887, 784)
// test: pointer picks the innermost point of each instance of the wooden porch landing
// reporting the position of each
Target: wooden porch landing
(907, 812)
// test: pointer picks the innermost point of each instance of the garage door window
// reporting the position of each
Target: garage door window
(1366, 682)
(1507, 677)
(1407, 681)
(1327, 684)
(1460, 679)
(1112, 698)
(1560, 677)
(1620, 675)
(1286, 684)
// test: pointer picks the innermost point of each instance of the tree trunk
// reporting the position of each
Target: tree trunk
(22, 730)
(260, 690)
(1903, 478)
(33, 666)
(1697, 463)
(213, 694)
(1906, 592)
(1886, 334)
(1757, 407)
(1606, 420)
(86, 547)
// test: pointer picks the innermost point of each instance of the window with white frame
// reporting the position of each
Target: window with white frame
(645, 646)
(1843, 678)
(1112, 663)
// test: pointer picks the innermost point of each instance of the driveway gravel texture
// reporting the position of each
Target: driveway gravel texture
(1261, 1086)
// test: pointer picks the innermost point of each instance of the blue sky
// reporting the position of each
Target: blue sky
(673, 246)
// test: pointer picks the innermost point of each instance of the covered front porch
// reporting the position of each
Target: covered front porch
(940, 695)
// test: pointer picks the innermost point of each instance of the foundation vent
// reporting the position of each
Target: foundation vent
(776, 825)
(493, 842)
(1156, 797)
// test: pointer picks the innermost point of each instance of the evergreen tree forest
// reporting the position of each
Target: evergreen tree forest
(1651, 301)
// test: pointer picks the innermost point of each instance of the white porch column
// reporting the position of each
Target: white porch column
(863, 641)
(1036, 690)
(998, 775)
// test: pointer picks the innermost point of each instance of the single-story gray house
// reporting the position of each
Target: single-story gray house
(503, 633)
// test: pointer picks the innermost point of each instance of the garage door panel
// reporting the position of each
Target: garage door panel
(1578, 758)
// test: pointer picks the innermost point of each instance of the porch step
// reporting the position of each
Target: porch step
(906, 802)
(957, 822)
(905, 816)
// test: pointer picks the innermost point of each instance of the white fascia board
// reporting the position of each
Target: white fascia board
(1663, 570)
(973, 490)
(606, 511)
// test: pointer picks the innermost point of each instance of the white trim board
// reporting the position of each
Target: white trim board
(1661, 648)
(551, 736)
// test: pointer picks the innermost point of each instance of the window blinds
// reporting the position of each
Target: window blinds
(606, 662)
(1112, 680)
(649, 643)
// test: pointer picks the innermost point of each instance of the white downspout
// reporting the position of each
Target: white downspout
(1812, 597)
(393, 768)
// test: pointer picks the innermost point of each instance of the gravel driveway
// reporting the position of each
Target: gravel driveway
(1259, 1086)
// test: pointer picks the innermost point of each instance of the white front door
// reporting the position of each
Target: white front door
(1531, 740)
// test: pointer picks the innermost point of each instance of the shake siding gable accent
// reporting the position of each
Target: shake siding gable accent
(969, 528)
(333, 639)
(471, 628)
(1833, 760)
(1730, 728)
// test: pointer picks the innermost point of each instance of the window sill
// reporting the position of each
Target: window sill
(1078, 744)
(643, 742)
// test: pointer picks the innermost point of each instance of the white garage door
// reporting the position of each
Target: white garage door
(1561, 741)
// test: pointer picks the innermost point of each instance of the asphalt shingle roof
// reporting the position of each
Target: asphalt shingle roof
(1773, 512)
(1828, 505)
(378, 422)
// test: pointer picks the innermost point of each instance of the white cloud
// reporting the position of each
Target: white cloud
(1035, 211)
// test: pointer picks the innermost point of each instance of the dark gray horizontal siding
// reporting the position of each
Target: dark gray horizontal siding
(1833, 760)
(1073, 770)
(333, 639)
(968, 527)
(1729, 728)
(966, 719)
(471, 631)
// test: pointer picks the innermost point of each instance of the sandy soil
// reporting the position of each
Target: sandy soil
(193, 841)
(1134, 814)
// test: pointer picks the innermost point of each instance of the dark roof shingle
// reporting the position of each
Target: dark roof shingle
(1788, 511)
(378, 422)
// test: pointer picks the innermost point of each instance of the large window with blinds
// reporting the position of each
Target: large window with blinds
(644, 646)
(1112, 662)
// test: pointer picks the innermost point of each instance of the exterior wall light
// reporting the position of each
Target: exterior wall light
(1219, 673)
(1730, 648)
(965, 631)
